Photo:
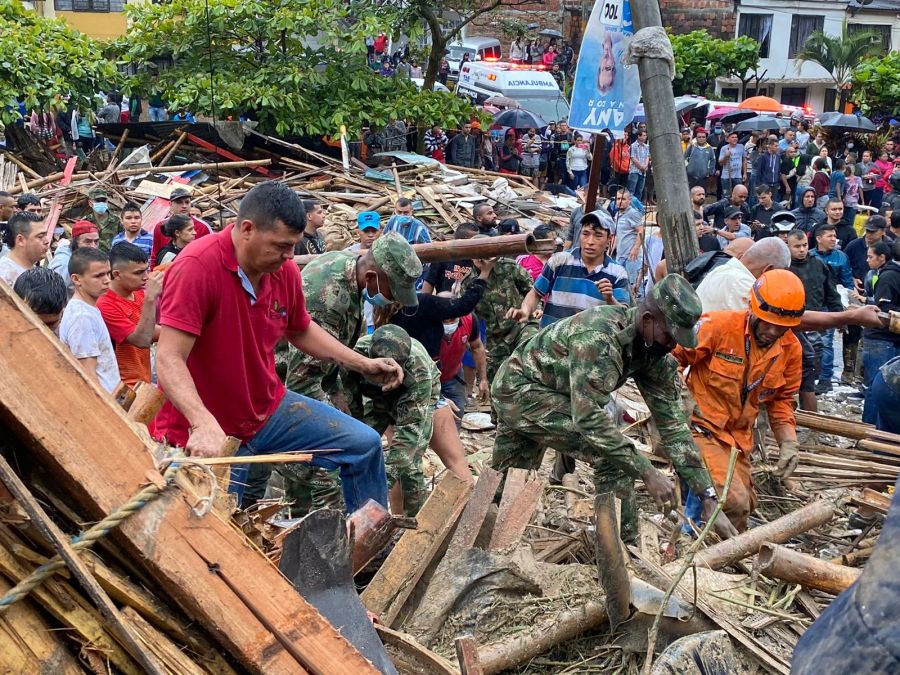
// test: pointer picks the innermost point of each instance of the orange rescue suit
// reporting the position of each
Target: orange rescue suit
(730, 377)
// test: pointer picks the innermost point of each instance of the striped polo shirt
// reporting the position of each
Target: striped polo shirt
(144, 240)
(569, 287)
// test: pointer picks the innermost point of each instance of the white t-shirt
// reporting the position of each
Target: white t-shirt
(10, 269)
(83, 331)
(727, 287)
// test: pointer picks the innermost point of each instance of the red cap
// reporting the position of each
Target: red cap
(83, 227)
(701, 130)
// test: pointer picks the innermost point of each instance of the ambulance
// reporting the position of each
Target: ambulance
(531, 86)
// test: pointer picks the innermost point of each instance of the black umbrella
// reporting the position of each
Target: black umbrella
(551, 32)
(840, 122)
(763, 123)
(736, 115)
(519, 119)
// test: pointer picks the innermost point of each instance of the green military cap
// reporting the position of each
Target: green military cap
(890, 372)
(98, 193)
(679, 304)
(390, 342)
(396, 258)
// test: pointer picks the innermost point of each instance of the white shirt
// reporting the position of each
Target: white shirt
(10, 270)
(83, 331)
(727, 287)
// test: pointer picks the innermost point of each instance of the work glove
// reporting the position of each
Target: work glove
(788, 460)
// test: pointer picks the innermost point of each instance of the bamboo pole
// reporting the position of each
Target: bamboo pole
(165, 160)
(117, 151)
(778, 531)
(33, 185)
(22, 165)
(778, 562)
(194, 167)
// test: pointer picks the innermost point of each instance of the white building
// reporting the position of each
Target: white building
(782, 26)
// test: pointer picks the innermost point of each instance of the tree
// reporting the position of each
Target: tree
(876, 85)
(839, 55)
(299, 68)
(701, 58)
(43, 60)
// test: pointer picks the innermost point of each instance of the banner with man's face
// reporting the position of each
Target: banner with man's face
(606, 91)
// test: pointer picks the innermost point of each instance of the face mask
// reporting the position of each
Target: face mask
(450, 328)
(377, 300)
(850, 145)
(100, 207)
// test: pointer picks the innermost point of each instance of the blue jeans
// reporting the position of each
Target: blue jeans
(636, 185)
(827, 370)
(302, 423)
(632, 267)
(728, 185)
(580, 179)
(455, 390)
(885, 404)
(875, 354)
(157, 114)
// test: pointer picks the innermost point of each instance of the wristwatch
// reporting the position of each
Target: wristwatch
(710, 493)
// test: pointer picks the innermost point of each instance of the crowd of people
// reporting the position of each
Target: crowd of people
(365, 342)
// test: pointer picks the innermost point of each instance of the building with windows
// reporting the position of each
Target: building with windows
(782, 27)
(101, 19)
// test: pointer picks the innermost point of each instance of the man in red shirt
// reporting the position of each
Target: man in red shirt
(461, 334)
(129, 310)
(227, 300)
(179, 204)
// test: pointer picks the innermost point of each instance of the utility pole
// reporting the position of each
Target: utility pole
(674, 213)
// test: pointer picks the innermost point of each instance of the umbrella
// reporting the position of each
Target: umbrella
(551, 32)
(519, 119)
(760, 104)
(841, 122)
(734, 116)
(763, 123)
(502, 102)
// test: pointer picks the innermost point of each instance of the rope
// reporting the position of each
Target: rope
(99, 530)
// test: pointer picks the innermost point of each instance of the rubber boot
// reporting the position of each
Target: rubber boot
(851, 351)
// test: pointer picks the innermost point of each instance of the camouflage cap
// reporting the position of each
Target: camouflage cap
(396, 258)
(890, 372)
(390, 342)
(680, 306)
(98, 193)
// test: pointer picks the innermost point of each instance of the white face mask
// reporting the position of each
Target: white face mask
(450, 328)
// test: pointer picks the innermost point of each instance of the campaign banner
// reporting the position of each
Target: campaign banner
(606, 90)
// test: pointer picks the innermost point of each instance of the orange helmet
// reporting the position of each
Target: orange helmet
(777, 297)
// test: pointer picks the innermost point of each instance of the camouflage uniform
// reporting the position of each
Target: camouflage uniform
(553, 391)
(334, 302)
(410, 407)
(109, 227)
(507, 286)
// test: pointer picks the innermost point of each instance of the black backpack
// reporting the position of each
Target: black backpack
(697, 269)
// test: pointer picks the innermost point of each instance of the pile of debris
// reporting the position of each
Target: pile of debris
(220, 162)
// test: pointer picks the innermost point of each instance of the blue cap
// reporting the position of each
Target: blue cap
(368, 219)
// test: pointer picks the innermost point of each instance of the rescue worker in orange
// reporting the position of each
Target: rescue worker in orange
(745, 359)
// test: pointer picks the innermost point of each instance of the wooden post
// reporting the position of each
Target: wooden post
(778, 562)
(590, 200)
(674, 214)
(165, 160)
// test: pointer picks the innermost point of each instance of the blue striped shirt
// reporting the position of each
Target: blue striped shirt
(570, 288)
(144, 241)
(413, 230)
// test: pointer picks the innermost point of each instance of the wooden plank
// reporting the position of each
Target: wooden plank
(467, 655)
(511, 521)
(154, 189)
(148, 401)
(94, 453)
(475, 512)
(28, 644)
(395, 580)
(515, 481)
(173, 659)
(428, 196)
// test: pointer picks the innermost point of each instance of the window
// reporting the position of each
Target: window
(729, 94)
(89, 5)
(793, 96)
(830, 102)
(762, 91)
(882, 31)
(758, 27)
(801, 28)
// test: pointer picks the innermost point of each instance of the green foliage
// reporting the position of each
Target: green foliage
(513, 28)
(42, 60)
(299, 67)
(839, 55)
(701, 58)
(876, 84)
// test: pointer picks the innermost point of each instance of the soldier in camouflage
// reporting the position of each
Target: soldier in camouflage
(553, 391)
(335, 285)
(108, 224)
(410, 408)
(507, 286)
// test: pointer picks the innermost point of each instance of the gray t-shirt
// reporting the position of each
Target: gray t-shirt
(731, 170)
(627, 223)
(84, 332)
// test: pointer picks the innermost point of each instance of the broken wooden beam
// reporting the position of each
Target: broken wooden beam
(778, 531)
(467, 655)
(517, 509)
(778, 562)
(178, 141)
(259, 167)
(200, 166)
(473, 516)
(397, 577)
(92, 452)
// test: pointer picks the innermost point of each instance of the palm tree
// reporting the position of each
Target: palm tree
(840, 55)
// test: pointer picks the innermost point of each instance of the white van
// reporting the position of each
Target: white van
(534, 89)
(478, 49)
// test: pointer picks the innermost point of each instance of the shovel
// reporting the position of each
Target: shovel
(316, 559)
